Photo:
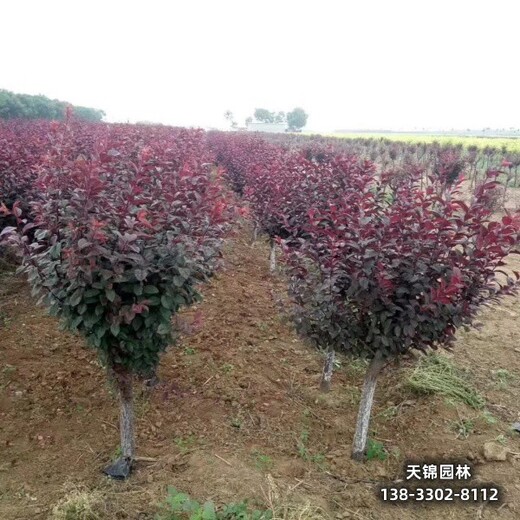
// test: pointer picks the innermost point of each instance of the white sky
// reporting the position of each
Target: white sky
(349, 64)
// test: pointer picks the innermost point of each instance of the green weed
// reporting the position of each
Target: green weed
(463, 428)
(305, 454)
(501, 439)
(236, 422)
(5, 320)
(264, 327)
(227, 368)
(186, 444)
(488, 417)
(301, 445)
(262, 462)
(357, 366)
(117, 453)
(180, 506)
(390, 412)
(503, 378)
(376, 450)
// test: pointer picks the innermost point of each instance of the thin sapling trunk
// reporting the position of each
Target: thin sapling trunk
(255, 233)
(272, 257)
(328, 367)
(365, 408)
(508, 179)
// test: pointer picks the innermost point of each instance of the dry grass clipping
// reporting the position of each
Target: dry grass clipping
(283, 507)
(79, 503)
(437, 374)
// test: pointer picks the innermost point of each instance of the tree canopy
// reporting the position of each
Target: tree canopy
(297, 119)
(266, 116)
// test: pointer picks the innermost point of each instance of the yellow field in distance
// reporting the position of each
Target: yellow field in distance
(512, 144)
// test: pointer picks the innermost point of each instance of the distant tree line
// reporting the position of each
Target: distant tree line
(25, 106)
(295, 120)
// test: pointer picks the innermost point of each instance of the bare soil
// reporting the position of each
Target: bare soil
(238, 400)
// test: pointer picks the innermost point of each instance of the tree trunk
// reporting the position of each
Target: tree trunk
(126, 417)
(121, 468)
(365, 408)
(328, 367)
(272, 257)
(508, 178)
(255, 233)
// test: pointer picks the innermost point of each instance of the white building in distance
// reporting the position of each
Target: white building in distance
(273, 128)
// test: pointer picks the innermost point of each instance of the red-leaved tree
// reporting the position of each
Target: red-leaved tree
(126, 225)
(377, 276)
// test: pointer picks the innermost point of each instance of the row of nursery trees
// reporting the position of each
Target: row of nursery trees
(117, 225)
(378, 263)
(432, 158)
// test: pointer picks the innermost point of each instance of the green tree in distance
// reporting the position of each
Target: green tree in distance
(264, 116)
(297, 119)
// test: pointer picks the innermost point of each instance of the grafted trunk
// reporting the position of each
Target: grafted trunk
(121, 468)
(328, 368)
(126, 417)
(272, 257)
(365, 408)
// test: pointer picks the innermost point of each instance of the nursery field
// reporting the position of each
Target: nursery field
(238, 400)
(198, 322)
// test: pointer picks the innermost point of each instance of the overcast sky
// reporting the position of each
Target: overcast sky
(349, 64)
